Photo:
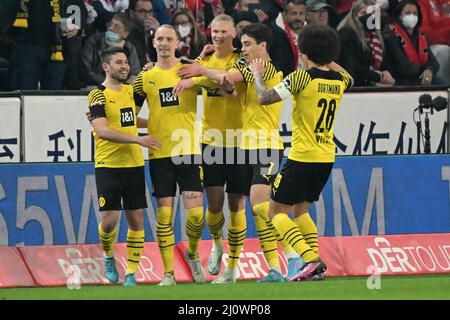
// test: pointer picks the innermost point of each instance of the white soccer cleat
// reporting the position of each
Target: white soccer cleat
(197, 270)
(168, 280)
(227, 277)
(215, 260)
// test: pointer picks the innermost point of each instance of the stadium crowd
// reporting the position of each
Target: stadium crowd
(54, 45)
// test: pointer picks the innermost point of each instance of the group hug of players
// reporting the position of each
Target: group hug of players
(240, 149)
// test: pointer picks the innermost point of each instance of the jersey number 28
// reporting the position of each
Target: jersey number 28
(327, 114)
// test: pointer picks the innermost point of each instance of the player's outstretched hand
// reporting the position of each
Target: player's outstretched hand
(149, 142)
(258, 67)
(148, 66)
(89, 116)
(207, 49)
(226, 85)
(181, 85)
(188, 71)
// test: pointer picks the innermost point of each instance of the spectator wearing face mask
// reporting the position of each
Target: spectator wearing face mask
(192, 40)
(116, 35)
(412, 62)
(362, 47)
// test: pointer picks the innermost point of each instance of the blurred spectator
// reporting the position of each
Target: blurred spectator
(436, 25)
(318, 11)
(192, 39)
(8, 12)
(411, 60)
(160, 11)
(280, 51)
(92, 14)
(6, 62)
(294, 18)
(204, 12)
(145, 25)
(229, 6)
(72, 36)
(117, 32)
(264, 9)
(362, 47)
(45, 40)
(343, 7)
(436, 20)
(105, 11)
(242, 19)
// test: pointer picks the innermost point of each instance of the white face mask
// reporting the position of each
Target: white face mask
(184, 30)
(410, 20)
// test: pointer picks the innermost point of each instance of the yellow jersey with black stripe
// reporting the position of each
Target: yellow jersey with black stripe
(220, 113)
(260, 123)
(119, 110)
(171, 119)
(317, 95)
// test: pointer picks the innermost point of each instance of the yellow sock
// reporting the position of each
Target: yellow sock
(309, 230)
(135, 247)
(194, 229)
(288, 250)
(166, 238)
(107, 240)
(289, 231)
(237, 230)
(215, 223)
(266, 236)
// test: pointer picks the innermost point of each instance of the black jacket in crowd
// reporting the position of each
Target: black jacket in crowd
(403, 70)
(356, 60)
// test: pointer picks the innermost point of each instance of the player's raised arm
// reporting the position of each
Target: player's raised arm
(102, 129)
(265, 95)
(338, 68)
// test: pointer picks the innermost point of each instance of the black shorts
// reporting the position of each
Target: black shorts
(221, 166)
(166, 175)
(261, 167)
(300, 181)
(117, 186)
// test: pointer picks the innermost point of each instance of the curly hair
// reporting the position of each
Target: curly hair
(320, 43)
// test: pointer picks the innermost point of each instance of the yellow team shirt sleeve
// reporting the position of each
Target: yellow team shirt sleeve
(204, 82)
(346, 79)
(96, 96)
(296, 81)
(246, 71)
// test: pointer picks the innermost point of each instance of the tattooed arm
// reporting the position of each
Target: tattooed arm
(265, 96)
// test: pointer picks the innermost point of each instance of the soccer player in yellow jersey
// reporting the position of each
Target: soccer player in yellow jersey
(119, 163)
(317, 91)
(261, 143)
(172, 122)
(221, 123)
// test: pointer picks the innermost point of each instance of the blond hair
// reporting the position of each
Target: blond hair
(223, 18)
(351, 20)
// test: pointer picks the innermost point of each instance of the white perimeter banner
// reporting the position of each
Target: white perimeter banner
(383, 123)
(56, 128)
(10, 129)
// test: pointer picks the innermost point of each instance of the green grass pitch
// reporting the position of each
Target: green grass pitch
(436, 287)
